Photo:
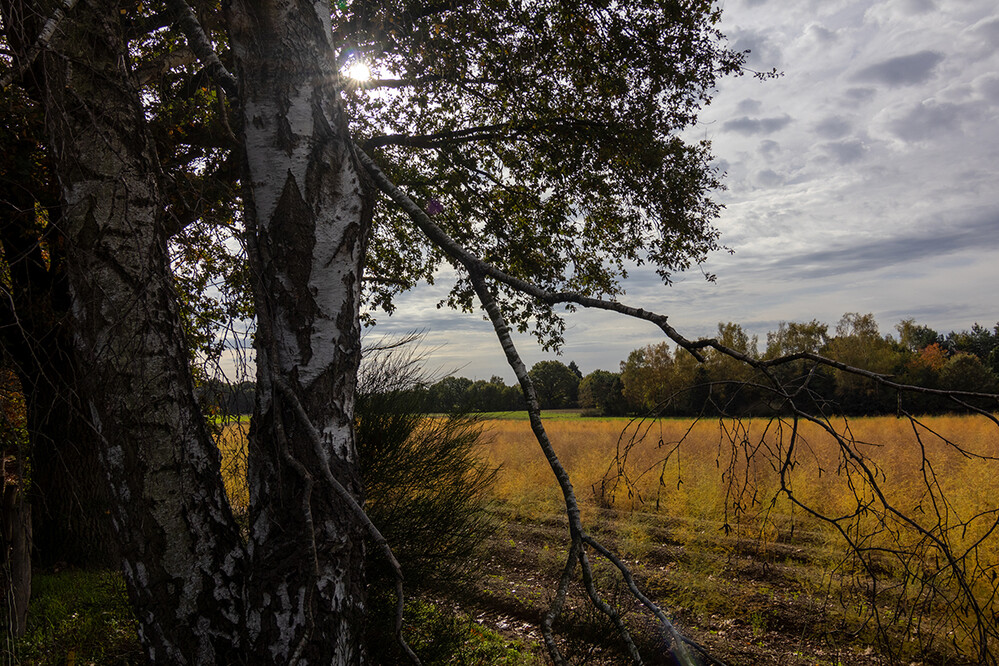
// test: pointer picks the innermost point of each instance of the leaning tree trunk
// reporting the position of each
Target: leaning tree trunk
(181, 552)
(308, 213)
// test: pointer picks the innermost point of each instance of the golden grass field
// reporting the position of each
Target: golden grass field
(901, 489)
(728, 471)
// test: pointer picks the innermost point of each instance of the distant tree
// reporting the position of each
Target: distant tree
(602, 391)
(915, 337)
(798, 337)
(575, 369)
(450, 394)
(556, 385)
(859, 343)
(793, 337)
(980, 341)
(729, 391)
(647, 378)
(966, 372)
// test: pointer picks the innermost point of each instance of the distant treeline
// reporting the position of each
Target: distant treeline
(663, 380)
(225, 398)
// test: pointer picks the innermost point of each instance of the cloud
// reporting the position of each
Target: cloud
(769, 148)
(932, 241)
(820, 34)
(989, 30)
(769, 178)
(988, 87)
(749, 126)
(832, 127)
(763, 52)
(901, 71)
(860, 94)
(930, 119)
(749, 105)
(846, 152)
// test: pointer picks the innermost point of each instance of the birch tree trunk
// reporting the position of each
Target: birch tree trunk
(308, 212)
(182, 555)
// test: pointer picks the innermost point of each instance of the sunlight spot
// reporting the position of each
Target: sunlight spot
(359, 72)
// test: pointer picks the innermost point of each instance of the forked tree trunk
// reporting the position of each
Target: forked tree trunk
(182, 555)
(308, 210)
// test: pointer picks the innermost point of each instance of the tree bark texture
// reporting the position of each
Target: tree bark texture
(308, 212)
(15, 548)
(182, 555)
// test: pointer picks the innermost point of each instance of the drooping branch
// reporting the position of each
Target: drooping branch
(474, 264)
(579, 538)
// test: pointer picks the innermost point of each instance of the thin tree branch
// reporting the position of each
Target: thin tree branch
(188, 23)
(475, 265)
(42, 42)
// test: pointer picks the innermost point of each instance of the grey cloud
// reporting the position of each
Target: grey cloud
(860, 94)
(749, 105)
(989, 29)
(938, 240)
(768, 148)
(769, 178)
(821, 34)
(832, 127)
(928, 120)
(846, 152)
(748, 126)
(763, 53)
(988, 86)
(918, 6)
(901, 71)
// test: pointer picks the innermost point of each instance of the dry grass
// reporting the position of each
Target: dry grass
(232, 444)
(910, 495)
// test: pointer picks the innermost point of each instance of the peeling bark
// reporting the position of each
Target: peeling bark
(308, 213)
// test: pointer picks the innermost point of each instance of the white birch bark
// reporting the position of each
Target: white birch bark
(308, 213)
(182, 555)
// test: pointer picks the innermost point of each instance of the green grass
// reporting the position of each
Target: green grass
(83, 618)
(80, 617)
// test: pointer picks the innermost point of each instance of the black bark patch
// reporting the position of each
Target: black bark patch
(292, 236)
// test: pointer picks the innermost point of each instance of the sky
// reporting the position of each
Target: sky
(863, 180)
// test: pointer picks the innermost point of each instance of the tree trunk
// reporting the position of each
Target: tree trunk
(68, 489)
(308, 212)
(182, 555)
(15, 547)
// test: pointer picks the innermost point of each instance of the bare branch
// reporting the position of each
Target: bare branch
(475, 265)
